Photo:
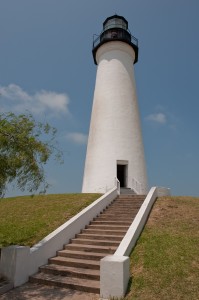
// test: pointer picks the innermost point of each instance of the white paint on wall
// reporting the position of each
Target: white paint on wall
(115, 131)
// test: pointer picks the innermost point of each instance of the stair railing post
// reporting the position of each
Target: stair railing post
(14, 264)
(117, 184)
(137, 186)
(114, 276)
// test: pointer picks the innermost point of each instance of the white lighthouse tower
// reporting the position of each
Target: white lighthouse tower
(115, 148)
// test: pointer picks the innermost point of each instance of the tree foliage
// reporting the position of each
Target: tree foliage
(25, 147)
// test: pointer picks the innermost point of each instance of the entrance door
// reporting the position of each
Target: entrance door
(121, 174)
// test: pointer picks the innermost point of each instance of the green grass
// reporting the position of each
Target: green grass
(165, 261)
(26, 220)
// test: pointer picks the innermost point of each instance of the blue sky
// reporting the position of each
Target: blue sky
(46, 67)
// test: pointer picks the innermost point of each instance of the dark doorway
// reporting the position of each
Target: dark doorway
(121, 174)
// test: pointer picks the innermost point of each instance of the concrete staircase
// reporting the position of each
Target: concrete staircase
(77, 266)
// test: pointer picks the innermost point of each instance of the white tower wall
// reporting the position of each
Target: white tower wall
(115, 133)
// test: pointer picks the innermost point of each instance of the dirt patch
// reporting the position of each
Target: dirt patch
(172, 210)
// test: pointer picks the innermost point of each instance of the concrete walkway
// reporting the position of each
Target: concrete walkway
(30, 291)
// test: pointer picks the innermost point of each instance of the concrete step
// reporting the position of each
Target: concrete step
(91, 248)
(99, 237)
(116, 216)
(125, 203)
(121, 209)
(118, 212)
(81, 254)
(111, 223)
(110, 227)
(137, 197)
(79, 284)
(127, 191)
(125, 207)
(129, 198)
(113, 218)
(75, 262)
(104, 232)
(95, 242)
(71, 271)
(130, 205)
(5, 285)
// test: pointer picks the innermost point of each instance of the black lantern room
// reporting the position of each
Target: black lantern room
(115, 28)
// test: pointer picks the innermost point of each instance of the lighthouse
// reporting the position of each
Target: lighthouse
(115, 150)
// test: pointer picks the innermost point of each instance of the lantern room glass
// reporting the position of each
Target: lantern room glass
(115, 23)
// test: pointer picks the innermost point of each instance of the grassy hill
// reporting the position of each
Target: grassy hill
(26, 220)
(165, 261)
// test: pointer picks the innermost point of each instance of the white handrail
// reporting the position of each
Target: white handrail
(137, 186)
(117, 184)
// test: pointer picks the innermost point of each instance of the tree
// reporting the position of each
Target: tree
(22, 152)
